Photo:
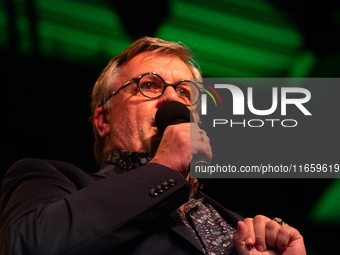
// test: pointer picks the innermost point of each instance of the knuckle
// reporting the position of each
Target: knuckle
(259, 218)
(248, 220)
(272, 225)
(284, 231)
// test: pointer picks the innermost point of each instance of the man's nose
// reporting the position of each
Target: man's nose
(169, 94)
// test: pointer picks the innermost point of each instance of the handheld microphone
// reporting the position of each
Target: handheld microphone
(172, 113)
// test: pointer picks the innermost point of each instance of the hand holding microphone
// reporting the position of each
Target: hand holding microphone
(183, 142)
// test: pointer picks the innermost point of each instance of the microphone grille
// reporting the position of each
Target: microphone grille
(171, 113)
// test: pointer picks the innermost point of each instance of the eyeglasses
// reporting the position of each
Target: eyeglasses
(151, 85)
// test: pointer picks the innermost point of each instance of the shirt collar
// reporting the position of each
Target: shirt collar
(127, 160)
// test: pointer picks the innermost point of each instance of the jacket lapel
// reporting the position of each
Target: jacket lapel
(230, 217)
(177, 226)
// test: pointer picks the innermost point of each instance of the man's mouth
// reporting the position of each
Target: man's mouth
(154, 124)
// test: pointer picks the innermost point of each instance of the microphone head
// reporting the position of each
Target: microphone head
(171, 113)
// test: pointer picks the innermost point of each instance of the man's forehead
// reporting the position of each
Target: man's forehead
(152, 62)
(147, 59)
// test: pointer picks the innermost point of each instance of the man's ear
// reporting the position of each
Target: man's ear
(101, 122)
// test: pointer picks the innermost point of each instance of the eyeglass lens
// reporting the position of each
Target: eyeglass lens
(152, 86)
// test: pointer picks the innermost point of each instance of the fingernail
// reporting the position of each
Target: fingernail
(249, 241)
(260, 248)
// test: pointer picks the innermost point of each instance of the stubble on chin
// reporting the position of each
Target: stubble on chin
(144, 139)
(147, 136)
(149, 140)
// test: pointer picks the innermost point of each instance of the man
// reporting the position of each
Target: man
(142, 200)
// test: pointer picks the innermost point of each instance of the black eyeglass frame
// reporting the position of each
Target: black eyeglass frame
(136, 80)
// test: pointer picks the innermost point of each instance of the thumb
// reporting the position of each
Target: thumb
(241, 241)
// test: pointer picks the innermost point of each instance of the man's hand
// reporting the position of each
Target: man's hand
(266, 237)
(178, 146)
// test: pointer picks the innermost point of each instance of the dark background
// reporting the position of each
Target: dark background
(45, 93)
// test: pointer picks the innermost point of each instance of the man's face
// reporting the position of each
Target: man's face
(132, 116)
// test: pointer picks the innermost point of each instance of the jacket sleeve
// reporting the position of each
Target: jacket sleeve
(55, 208)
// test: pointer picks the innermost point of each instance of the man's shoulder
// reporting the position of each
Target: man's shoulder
(43, 165)
(33, 168)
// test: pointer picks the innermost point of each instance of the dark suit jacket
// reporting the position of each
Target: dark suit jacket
(52, 207)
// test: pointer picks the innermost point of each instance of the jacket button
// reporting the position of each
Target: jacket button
(165, 185)
(153, 192)
(159, 188)
(171, 182)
